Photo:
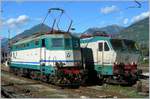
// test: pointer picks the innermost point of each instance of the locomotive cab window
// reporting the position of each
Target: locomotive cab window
(106, 47)
(67, 43)
(75, 43)
(100, 46)
(57, 42)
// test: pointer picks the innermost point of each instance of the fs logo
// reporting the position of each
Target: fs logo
(68, 54)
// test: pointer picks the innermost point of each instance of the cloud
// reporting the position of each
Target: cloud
(11, 22)
(140, 17)
(20, 20)
(1, 22)
(110, 9)
(125, 21)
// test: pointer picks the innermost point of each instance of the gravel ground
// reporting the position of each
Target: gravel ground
(30, 88)
(144, 67)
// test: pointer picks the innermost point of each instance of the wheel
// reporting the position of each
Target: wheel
(16, 71)
(44, 78)
(32, 75)
(20, 72)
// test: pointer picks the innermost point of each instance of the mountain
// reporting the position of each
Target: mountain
(32, 31)
(139, 32)
(4, 41)
(110, 29)
(35, 29)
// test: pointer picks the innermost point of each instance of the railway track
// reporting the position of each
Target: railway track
(6, 93)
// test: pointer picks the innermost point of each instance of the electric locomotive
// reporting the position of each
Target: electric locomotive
(110, 60)
(52, 57)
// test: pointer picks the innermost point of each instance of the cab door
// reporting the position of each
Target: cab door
(107, 53)
(104, 53)
(104, 57)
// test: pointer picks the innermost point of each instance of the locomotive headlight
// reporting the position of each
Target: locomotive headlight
(77, 63)
(132, 63)
(135, 62)
(116, 62)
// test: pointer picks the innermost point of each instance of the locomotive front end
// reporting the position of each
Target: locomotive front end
(72, 52)
(126, 60)
(69, 67)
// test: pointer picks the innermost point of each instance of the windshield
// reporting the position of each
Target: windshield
(72, 43)
(117, 44)
(57, 42)
(122, 44)
(68, 43)
(130, 44)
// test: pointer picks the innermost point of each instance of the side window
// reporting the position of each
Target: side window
(106, 48)
(43, 42)
(36, 42)
(27, 44)
(100, 46)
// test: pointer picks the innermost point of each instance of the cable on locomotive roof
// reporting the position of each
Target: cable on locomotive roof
(59, 19)
(56, 20)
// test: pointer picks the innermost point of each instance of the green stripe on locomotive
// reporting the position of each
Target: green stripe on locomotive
(31, 43)
(94, 39)
(44, 69)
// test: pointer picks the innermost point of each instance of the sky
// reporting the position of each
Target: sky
(19, 15)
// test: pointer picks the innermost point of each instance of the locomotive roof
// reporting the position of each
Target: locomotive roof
(44, 35)
(97, 38)
(94, 39)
